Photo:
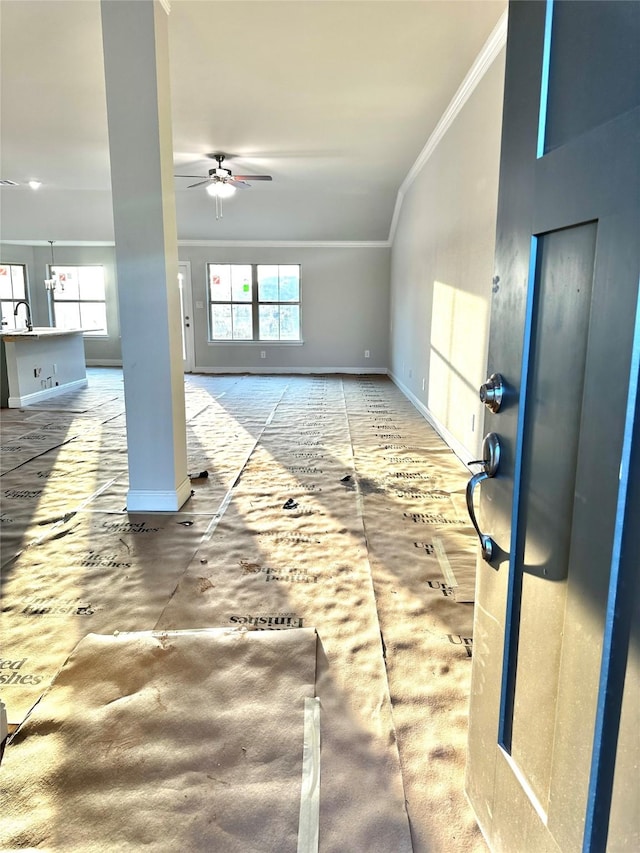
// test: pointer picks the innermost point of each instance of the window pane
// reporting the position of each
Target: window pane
(242, 324)
(8, 320)
(18, 281)
(276, 298)
(289, 322)
(94, 316)
(6, 291)
(67, 315)
(241, 282)
(91, 282)
(267, 283)
(221, 322)
(289, 283)
(220, 282)
(269, 318)
(68, 283)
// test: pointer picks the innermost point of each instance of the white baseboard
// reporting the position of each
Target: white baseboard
(463, 453)
(46, 393)
(379, 371)
(151, 500)
(293, 371)
(103, 362)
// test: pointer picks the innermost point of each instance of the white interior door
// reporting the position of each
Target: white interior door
(554, 709)
(186, 314)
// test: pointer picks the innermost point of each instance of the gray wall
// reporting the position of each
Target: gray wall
(345, 309)
(442, 269)
(345, 305)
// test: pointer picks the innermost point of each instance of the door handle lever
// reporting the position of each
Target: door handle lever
(490, 463)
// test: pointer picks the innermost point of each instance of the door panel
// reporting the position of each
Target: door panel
(560, 330)
(563, 334)
(559, 343)
(585, 88)
(613, 338)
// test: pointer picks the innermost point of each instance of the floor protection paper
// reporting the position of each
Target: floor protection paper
(93, 572)
(173, 741)
(329, 503)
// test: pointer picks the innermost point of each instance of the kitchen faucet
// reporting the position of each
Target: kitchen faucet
(28, 312)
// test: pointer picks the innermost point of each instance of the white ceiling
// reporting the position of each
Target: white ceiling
(334, 98)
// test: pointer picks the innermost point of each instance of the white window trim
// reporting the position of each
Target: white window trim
(254, 283)
(88, 335)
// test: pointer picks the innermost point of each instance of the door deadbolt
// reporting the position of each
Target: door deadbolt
(492, 391)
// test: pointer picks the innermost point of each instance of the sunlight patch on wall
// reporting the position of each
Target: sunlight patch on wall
(459, 319)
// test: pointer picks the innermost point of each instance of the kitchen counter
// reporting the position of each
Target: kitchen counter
(40, 363)
(40, 332)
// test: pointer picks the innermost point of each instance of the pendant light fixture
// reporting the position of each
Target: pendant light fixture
(52, 283)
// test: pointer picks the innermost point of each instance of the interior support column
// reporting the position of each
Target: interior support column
(136, 59)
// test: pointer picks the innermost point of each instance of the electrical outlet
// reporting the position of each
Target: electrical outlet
(367, 353)
(37, 371)
(263, 353)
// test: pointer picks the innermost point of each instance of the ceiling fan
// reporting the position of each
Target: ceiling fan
(221, 182)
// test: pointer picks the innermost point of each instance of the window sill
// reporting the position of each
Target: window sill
(255, 343)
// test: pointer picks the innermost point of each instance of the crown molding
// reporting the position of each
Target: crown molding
(56, 243)
(293, 244)
(222, 244)
(481, 65)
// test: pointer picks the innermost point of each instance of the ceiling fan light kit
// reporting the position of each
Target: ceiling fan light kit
(222, 189)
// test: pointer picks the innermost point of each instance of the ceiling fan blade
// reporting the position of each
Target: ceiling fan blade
(200, 183)
(187, 176)
(252, 177)
(236, 183)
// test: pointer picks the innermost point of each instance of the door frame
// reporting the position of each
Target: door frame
(185, 291)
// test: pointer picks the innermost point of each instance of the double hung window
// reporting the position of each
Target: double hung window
(13, 288)
(79, 299)
(254, 302)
